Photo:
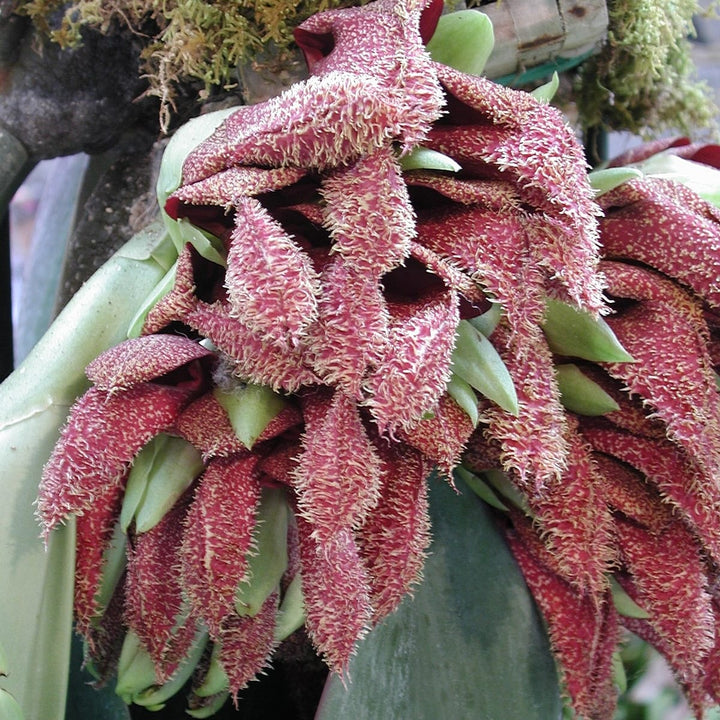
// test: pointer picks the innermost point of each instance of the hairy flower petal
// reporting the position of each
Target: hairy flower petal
(415, 368)
(247, 643)
(396, 536)
(368, 213)
(255, 359)
(529, 143)
(576, 525)
(141, 359)
(673, 591)
(103, 434)
(218, 537)
(205, 424)
(336, 588)
(441, 437)
(225, 188)
(583, 632)
(352, 328)
(669, 236)
(155, 601)
(338, 473)
(534, 446)
(494, 248)
(679, 381)
(271, 283)
(94, 532)
(675, 476)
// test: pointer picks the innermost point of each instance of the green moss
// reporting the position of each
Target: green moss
(184, 40)
(644, 79)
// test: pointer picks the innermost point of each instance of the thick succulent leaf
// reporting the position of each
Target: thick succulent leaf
(37, 584)
(580, 394)
(577, 333)
(476, 361)
(468, 644)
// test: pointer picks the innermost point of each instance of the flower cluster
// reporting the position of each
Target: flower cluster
(273, 426)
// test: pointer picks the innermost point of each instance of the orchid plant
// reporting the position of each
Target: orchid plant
(393, 267)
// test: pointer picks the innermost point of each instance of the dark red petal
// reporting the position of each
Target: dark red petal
(94, 532)
(257, 360)
(272, 285)
(533, 442)
(675, 476)
(351, 331)
(141, 359)
(218, 537)
(103, 434)
(583, 632)
(575, 522)
(247, 644)
(412, 375)
(666, 335)
(441, 437)
(155, 597)
(670, 577)
(396, 536)
(368, 213)
(204, 423)
(338, 473)
(337, 594)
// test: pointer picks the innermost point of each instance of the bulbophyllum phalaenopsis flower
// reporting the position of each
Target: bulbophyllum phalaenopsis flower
(635, 517)
(311, 382)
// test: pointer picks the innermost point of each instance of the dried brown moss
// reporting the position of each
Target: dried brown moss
(183, 39)
(644, 80)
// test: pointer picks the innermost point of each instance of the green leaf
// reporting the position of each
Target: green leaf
(463, 40)
(476, 361)
(577, 333)
(422, 158)
(463, 394)
(37, 585)
(250, 409)
(607, 179)
(545, 93)
(580, 394)
(469, 643)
